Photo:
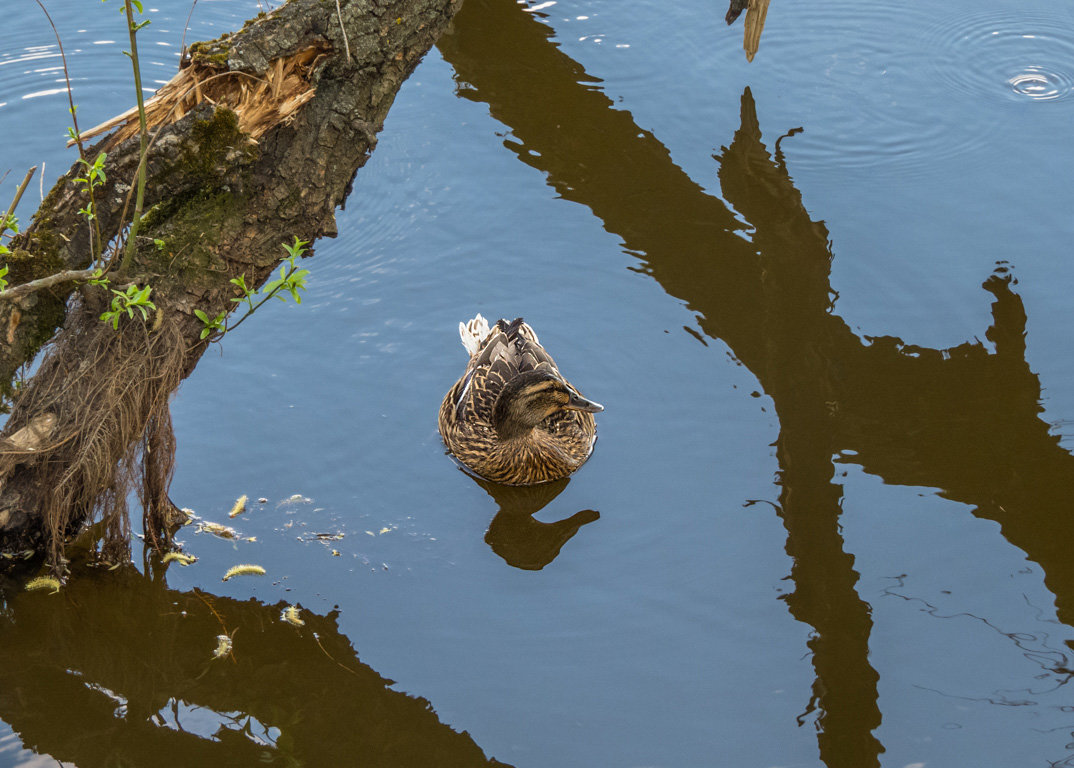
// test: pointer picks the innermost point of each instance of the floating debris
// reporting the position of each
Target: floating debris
(246, 569)
(262, 500)
(179, 557)
(223, 646)
(337, 536)
(384, 530)
(290, 615)
(239, 507)
(294, 499)
(216, 529)
(44, 582)
(335, 553)
(191, 515)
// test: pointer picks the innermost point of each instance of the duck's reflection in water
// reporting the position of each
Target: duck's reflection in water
(519, 538)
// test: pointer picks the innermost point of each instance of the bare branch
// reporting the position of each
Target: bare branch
(45, 282)
(346, 43)
(15, 201)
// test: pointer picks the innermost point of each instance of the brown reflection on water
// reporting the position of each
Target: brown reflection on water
(118, 670)
(965, 420)
(519, 538)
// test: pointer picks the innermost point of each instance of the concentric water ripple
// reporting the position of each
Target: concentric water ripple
(1006, 55)
(878, 104)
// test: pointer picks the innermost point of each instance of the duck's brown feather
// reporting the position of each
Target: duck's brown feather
(553, 450)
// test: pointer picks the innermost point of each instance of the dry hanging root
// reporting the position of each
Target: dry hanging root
(108, 393)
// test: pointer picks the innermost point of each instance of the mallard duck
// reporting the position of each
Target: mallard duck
(512, 418)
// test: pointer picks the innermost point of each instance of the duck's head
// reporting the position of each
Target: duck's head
(530, 398)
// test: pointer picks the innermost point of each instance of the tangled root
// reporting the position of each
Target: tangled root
(108, 392)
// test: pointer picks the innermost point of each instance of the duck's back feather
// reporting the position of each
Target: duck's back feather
(507, 349)
(497, 355)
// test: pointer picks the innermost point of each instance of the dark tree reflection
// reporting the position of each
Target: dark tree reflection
(965, 420)
(119, 670)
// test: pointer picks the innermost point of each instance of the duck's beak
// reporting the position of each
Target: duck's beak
(579, 403)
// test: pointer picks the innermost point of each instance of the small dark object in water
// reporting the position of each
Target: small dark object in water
(735, 9)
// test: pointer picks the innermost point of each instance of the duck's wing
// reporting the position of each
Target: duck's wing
(531, 355)
(508, 349)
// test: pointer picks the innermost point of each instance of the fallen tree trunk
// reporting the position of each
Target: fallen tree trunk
(257, 141)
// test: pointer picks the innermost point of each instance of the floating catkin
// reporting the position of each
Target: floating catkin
(44, 582)
(239, 507)
(245, 569)
(223, 646)
(290, 615)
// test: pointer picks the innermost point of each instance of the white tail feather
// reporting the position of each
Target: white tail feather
(473, 333)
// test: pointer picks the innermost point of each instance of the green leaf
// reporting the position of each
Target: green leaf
(201, 316)
(137, 4)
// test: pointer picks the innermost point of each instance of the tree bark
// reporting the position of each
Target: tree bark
(255, 141)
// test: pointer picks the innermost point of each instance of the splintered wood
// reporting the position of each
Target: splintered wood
(260, 101)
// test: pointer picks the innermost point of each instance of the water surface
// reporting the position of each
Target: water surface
(824, 298)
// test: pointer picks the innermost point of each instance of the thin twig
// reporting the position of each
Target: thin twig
(46, 282)
(346, 45)
(200, 595)
(15, 201)
(132, 30)
(182, 40)
(78, 135)
(269, 295)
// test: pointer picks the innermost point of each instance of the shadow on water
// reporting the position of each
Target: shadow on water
(965, 420)
(519, 538)
(117, 669)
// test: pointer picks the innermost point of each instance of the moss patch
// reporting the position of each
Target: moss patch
(42, 261)
(216, 146)
(212, 53)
